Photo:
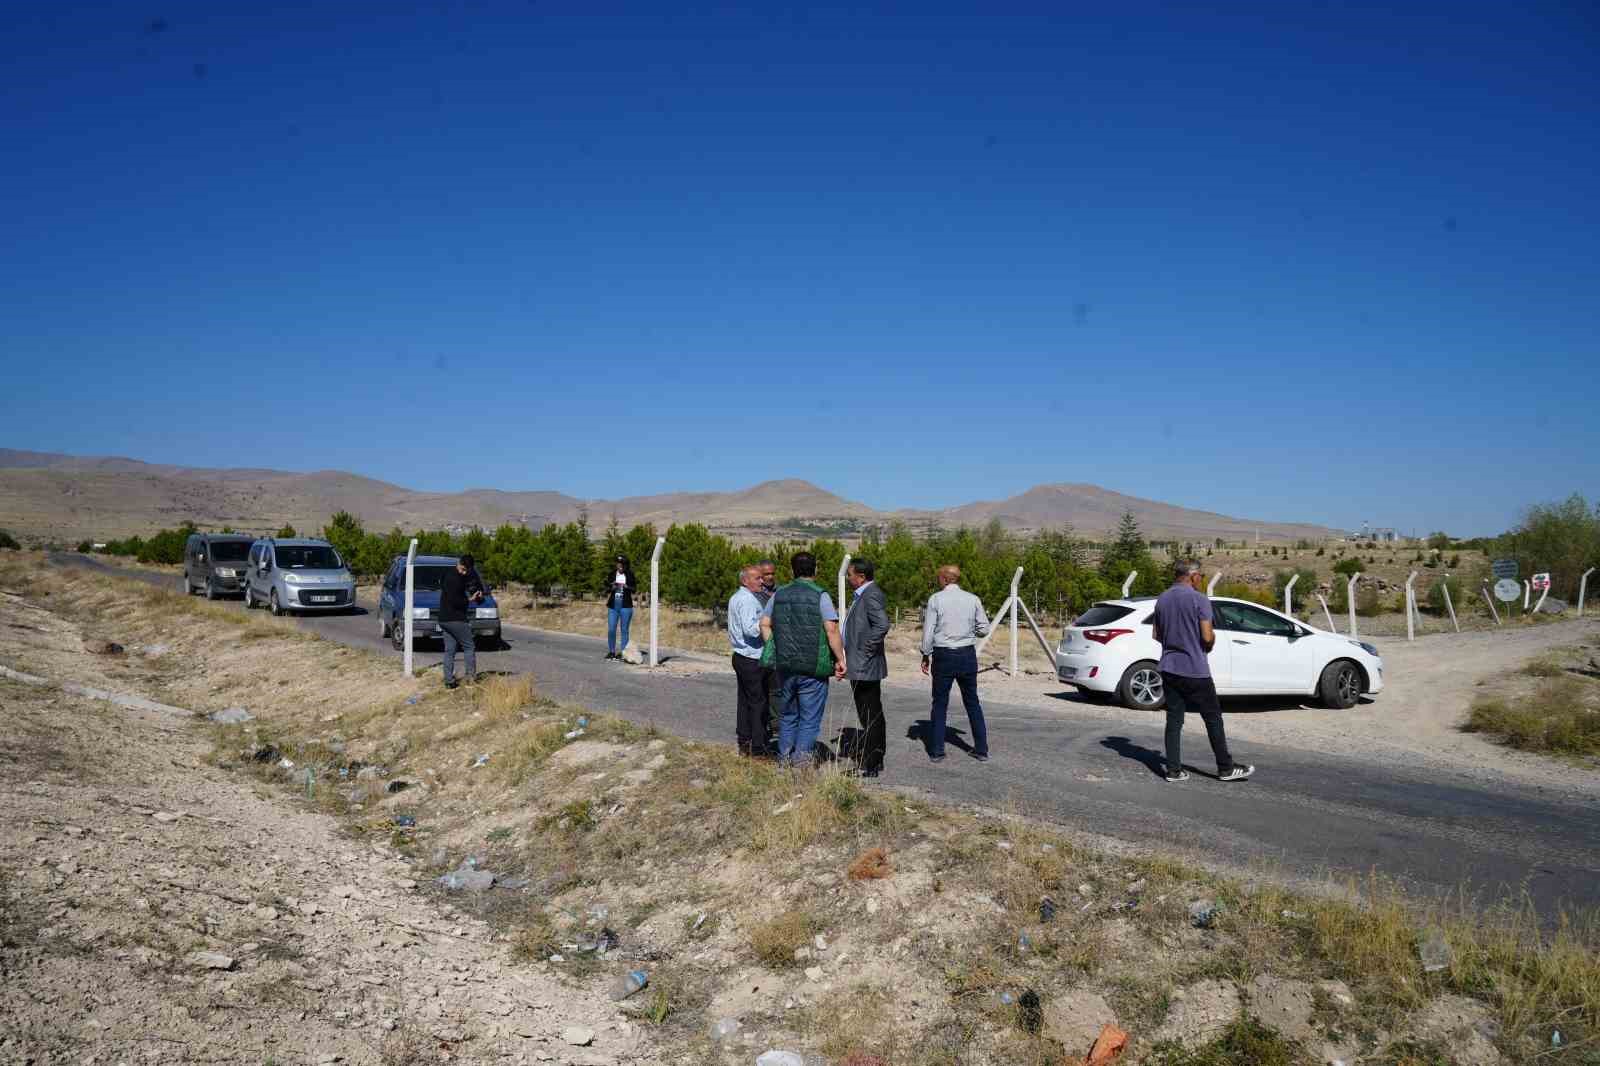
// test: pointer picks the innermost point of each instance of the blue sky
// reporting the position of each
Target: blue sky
(1312, 262)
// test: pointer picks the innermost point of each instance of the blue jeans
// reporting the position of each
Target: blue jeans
(614, 617)
(958, 665)
(458, 635)
(801, 701)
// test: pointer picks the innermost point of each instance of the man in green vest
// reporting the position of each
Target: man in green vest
(801, 629)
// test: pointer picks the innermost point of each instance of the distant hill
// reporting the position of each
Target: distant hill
(68, 497)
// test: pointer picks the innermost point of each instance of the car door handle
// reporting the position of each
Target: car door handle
(1236, 641)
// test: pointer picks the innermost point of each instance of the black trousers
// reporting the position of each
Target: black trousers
(751, 724)
(1197, 694)
(874, 733)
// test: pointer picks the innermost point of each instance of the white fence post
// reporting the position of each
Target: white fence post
(1583, 587)
(1411, 607)
(1016, 579)
(1444, 583)
(1527, 594)
(1288, 595)
(655, 598)
(1324, 602)
(411, 597)
(1490, 601)
(843, 566)
(1212, 584)
(1350, 599)
(1128, 583)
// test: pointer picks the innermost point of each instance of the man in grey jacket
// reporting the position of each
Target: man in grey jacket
(950, 628)
(866, 627)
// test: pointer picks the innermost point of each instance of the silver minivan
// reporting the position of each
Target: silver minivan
(298, 575)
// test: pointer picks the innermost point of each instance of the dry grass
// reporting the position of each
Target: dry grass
(1559, 716)
(870, 865)
(775, 940)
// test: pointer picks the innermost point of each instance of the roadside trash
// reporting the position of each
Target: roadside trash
(512, 883)
(780, 1058)
(467, 876)
(1085, 890)
(397, 785)
(232, 716)
(286, 764)
(1005, 997)
(1203, 913)
(265, 753)
(698, 922)
(405, 821)
(573, 734)
(599, 913)
(1003, 845)
(596, 943)
(725, 1028)
(1030, 1014)
(558, 958)
(1435, 952)
(1290, 916)
(413, 700)
(628, 984)
(1107, 1046)
(1555, 1038)
(583, 721)
(1024, 942)
(1047, 910)
(482, 760)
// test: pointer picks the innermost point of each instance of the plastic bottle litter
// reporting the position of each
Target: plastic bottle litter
(726, 1028)
(405, 821)
(482, 760)
(1024, 942)
(1030, 1012)
(1005, 997)
(1203, 913)
(1435, 952)
(413, 700)
(780, 1058)
(628, 984)
(1047, 909)
(1555, 1039)
(573, 734)
(583, 721)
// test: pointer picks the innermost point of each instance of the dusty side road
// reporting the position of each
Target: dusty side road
(155, 908)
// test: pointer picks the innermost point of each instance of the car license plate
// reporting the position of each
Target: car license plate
(323, 599)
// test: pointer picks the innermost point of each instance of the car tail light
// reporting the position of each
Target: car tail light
(1094, 672)
(1104, 636)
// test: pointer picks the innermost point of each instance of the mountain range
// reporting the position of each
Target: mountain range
(68, 497)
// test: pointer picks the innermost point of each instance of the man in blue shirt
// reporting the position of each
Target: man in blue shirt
(744, 635)
(1183, 626)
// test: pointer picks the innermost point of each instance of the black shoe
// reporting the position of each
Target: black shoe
(451, 684)
(936, 758)
(981, 757)
(1238, 773)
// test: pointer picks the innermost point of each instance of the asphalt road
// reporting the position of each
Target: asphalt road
(1307, 814)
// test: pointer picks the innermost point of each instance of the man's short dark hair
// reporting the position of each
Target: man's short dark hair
(863, 567)
(466, 561)
(804, 564)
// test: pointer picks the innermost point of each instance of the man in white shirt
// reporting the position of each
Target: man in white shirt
(744, 636)
(950, 628)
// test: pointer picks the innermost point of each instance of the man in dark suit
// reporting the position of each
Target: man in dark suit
(866, 627)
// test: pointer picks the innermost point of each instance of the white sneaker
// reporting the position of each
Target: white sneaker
(1238, 773)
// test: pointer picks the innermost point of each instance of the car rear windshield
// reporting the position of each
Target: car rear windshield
(307, 557)
(1102, 614)
(429, 578)
(230, 551)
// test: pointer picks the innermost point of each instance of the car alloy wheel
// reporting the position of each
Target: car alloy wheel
(273, 605)
(1349, 685)
(211, 590)
(398, 634)
(1144, 687)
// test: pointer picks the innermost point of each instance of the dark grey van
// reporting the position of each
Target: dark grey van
(214, 563)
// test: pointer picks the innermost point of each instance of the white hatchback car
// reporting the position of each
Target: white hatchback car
(1112, 648)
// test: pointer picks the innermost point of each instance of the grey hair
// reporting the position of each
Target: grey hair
(747, 571)
(1185, 567)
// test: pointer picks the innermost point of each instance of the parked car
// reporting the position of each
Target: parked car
(214, 563)
(1111, 648)
(426, 582)
(298, 575)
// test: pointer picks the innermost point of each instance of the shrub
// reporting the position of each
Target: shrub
(287, 531)
(1348, 567)
(8, 541)
(1555, 717)
(1367, 602)
(776, 940)
(84, 547)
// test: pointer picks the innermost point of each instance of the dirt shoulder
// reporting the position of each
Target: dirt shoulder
(159, 908)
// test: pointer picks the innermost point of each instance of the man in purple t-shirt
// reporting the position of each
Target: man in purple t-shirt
(1183, 626)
